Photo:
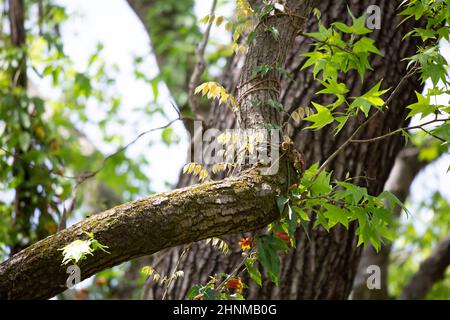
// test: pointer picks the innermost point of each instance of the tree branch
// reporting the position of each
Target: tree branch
(431, 270)
(144, 227)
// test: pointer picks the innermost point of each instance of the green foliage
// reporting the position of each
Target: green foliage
(319, 201)
(268, 246)
(338, 50)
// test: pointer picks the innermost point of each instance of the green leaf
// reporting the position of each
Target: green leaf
(359, 24)
(322, 184)
(251, 37)
(166, 135)
(24, 140)
(275, 104)
(422, 107)
(274, 31)
(336, 215)
(333, 88)
(281, 203)
(342, 120)
(353, 193)
(392, 200)
(268, 247)
(443, 131)
(343, 27)
(253, 272)
(366, 45)
(194, 291)
(302, 214)
(321, 118)
(370, 98)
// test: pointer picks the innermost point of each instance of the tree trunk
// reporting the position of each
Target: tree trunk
(323, 268)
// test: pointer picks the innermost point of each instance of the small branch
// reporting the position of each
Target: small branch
(234, 272)
(199, 68)
(175, 269)
(82, 178)
(384, 136)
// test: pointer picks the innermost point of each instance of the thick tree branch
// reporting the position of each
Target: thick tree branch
(431, 270)
(144, 227)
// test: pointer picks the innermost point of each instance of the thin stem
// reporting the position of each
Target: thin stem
(420, 126)
(199, 66)
(185, 251)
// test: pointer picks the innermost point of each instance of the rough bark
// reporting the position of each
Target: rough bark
(144, 227)
(431, 270)
(323, 268)
(406, 167)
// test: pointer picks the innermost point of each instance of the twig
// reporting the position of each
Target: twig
(185, 251)
(199, 68)
(420, 126)
(235, 270)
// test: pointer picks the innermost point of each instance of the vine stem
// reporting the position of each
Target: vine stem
(234, 272)
(185, 251)
(199, 66)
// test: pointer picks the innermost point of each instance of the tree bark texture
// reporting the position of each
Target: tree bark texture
(144, 227)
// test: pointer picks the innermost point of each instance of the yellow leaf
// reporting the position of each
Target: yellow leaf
(200, 88)
(203, 174)
(259, 136)
(211, 19)
(223, 98)
(224, 138)
(205, 88)
(296, 117)
(231, 100)
(219, 20)
(301, 113)
(221, 152)
(250, 148)
(228, 26)
(204, 19)
(236, 36)
(197, 169)
(191, 167)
